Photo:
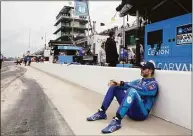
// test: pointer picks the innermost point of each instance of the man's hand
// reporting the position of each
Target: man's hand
(113, 83)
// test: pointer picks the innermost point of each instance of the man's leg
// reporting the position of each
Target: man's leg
(112, 92)
(133, 106)
(127, 105)
(112, 64)
(1, 62)
(29, 63)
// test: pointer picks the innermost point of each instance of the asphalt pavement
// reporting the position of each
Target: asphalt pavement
(9, 73)
(31, 113)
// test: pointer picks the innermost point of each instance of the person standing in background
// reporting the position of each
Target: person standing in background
(29, 60)
(123, 55)
(134, 57)
(111, 50)
(130, 56)
(80, 52)
(102, 55)
(18, 62)
(1, 60)
(141, 53)
(25, 60)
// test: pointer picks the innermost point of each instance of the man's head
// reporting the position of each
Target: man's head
(112, 34)
(147, 70)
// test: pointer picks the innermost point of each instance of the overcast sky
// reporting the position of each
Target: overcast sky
(19, 19)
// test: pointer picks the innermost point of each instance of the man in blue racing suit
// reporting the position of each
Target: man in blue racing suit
(136, 98)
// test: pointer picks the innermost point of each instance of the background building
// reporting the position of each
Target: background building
(70, 27)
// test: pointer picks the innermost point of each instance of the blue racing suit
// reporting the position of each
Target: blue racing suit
(136, 98)
(123, 55)
(28, 58)
(80, 53)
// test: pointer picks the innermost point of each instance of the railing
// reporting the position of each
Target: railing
(70, 25)
(78, 26)
(63, 17)
(65, 34)
(82, 26)
(78, 34)
(75, 17)
(63, 24)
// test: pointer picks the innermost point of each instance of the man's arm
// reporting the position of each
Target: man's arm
(150, 89)
(128, 84)
(106, 46)
(123, 84)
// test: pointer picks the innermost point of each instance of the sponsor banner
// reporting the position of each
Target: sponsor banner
(184, 34)
(176, 66)
(69, 48)
(101, 40)
(81, 8)
(163, 51)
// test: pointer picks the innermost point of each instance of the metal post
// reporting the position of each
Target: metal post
(124, 31)
(88, 33)
(94, 27)
(124, 35)
(73, 27)
(88, 22)
(137, 41)
(29, 38)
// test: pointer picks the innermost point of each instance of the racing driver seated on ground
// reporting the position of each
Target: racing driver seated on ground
(135, 98)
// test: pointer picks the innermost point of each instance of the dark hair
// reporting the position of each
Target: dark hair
(150, 66)
(152, 72)
(111, 33)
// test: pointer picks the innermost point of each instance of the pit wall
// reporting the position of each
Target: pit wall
(174, 100)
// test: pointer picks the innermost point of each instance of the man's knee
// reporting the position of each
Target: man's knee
(132, 91)
(112, 89)
(130, 96)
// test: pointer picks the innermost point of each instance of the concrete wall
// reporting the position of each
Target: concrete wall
(174, 101)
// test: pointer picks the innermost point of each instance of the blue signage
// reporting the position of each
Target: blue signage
(69, 48)
(81, 7)
(170, 48)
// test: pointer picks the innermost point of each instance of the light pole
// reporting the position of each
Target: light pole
(137, 41)
(73, 26)
(123, 37)
(94, 27)
(45, 40)
(29, 38)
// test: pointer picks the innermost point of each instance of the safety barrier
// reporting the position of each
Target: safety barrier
(174, 101)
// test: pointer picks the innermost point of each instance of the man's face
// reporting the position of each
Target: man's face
(146, 72)
(113, 36)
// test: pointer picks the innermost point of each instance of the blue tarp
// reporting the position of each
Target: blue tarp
(125, 65)
(69, 48)
(65, 59)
